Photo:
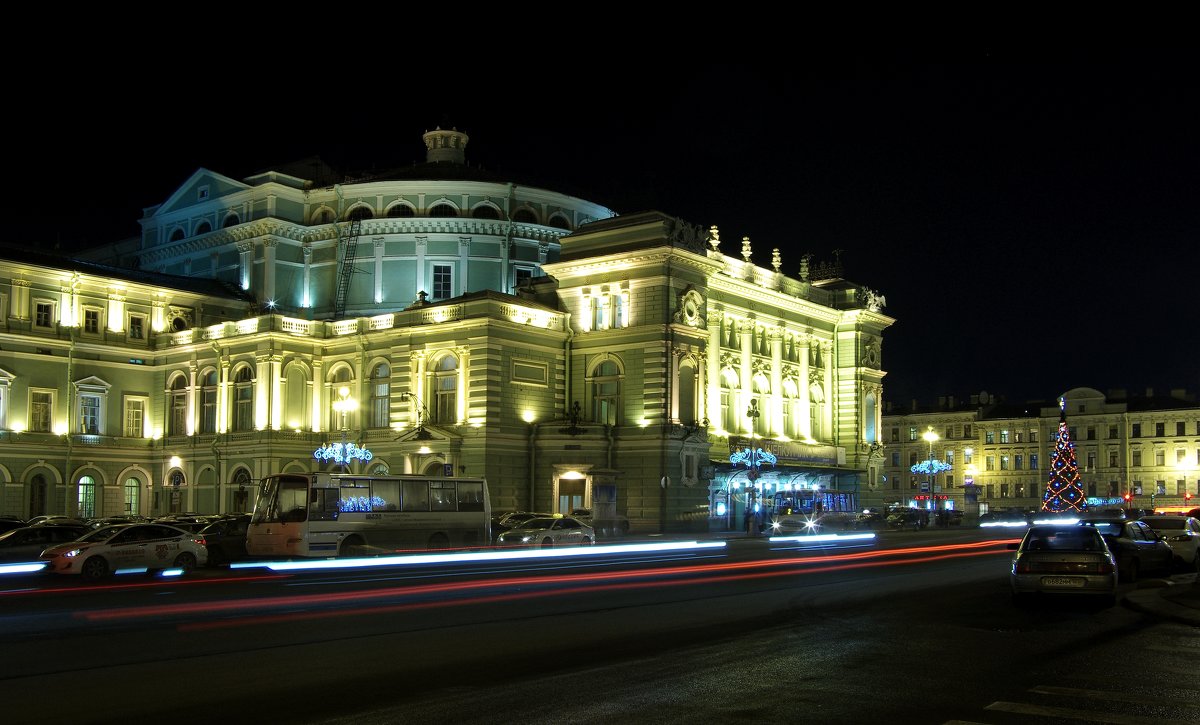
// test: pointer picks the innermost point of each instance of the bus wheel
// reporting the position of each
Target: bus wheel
(351, 546)
(439, 541)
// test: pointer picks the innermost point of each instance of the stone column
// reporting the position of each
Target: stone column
(802, 401)
(776, 425)
(712, 404)
(746, 330)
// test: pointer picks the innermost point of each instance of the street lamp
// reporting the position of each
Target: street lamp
(422, 414)
(930, 466)
(752, 413)
(344, 406)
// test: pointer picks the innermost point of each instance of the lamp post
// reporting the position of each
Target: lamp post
(752, 413)
(422, 415)
(931, 438)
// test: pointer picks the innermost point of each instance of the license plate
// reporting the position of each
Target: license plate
(1062, 581)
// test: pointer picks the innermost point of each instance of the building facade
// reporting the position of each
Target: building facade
(571, 356)
(1000, 454)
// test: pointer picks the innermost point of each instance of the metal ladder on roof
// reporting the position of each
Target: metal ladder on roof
(348, 248)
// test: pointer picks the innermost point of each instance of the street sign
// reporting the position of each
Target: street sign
(925, 486)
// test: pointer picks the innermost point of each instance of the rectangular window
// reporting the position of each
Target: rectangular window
(1017, 436)
(968, 455)
(1004, 436)
(1091, 460)
(1137, 458)
(912, 433)
(91, 321)
(989, 437)
(1160, 429)
(950, 457)
(1073, 432)
(1091, 432)
(949, 431)
(135, 412)
(895, 435)
(1033, 436)
(137, 327)
(442, 282)
(1033, 461)
(1137, 431)
(1180, 455)
(1112, 431)
(912, 459)
(1004, 490)
(1018, 462)
(989, 463)
(1180, 427)
(1160, 458)
(1004, 462)
(523, 277)
(618, 310)
(1112, 459)
(895, 459)
(967, 431)
(89, 414)
(208, 410)
(41, 408)
(43, 315)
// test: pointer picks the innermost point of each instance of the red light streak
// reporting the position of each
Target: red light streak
(564, 584)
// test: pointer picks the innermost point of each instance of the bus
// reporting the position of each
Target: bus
(808, 510)
(332, 514)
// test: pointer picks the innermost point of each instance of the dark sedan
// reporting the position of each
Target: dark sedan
(225, 539)
(27, 543)
(1135, 545)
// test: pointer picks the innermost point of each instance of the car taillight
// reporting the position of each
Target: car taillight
(1104, 567)
(199, 540)
(1024, 567)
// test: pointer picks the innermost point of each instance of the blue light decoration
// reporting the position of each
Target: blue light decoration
(342, 453)
(1064, 490)
(752, 458)
(930, 467)
(361, 503)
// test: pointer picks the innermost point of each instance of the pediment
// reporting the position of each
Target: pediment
(188, 194)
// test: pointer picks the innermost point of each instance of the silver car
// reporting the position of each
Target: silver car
(547, 532)
(1182, 534)
(1063, 559)
(135, 547)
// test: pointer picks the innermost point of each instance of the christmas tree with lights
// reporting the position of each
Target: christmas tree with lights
(1064, 492)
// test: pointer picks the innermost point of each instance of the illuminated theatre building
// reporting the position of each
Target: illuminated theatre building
(448, 322)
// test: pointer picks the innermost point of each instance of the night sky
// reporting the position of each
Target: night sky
(1033, 223)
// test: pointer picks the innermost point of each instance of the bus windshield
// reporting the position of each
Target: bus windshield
(283, 499)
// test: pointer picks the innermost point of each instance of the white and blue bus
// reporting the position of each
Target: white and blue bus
(330, 514)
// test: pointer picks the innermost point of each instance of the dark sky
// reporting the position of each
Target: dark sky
(1034, 223)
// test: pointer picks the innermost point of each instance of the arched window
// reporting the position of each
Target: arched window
(177, 400)
(241, 479)
(176, 235)
(133, 494)
(297, 398)
(443, 210)
(869, 416)
(230, 220)
(400, 211)
(323, 216)
(178, 324)
(560, 222)
(525, 215)
(340, 419)
(208, 405)
(606, 393)
(445, 385)
(202, 228)
(729, 401)
(243, 400)
(87, 497)
(37, 495)
(816, 397)
(687, 393)
(360, 212)
(381, 387)
(485, 211)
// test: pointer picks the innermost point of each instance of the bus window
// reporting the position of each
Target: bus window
(293, 499)
(470, 496)
(416, 496)
(323, 504)
(441, 496)
(385, 496)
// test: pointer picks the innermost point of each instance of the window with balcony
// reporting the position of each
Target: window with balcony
(41, 409)
(137, 327)
(90, 421)
(135, 418)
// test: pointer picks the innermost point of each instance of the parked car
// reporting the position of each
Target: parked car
(127, 546)
(1134, 544)
(512, 519)
(53, 519)
(8, 524)
(620, 524)
(225, 539)
(28, 542)
(1063, 559)
(547, 532)
(1182, 534)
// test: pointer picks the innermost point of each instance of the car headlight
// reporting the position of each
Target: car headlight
(73, 552)
(526, 539)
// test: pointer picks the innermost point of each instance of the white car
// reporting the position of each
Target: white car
(547, 532)
(137, 547)
(1182, 534)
